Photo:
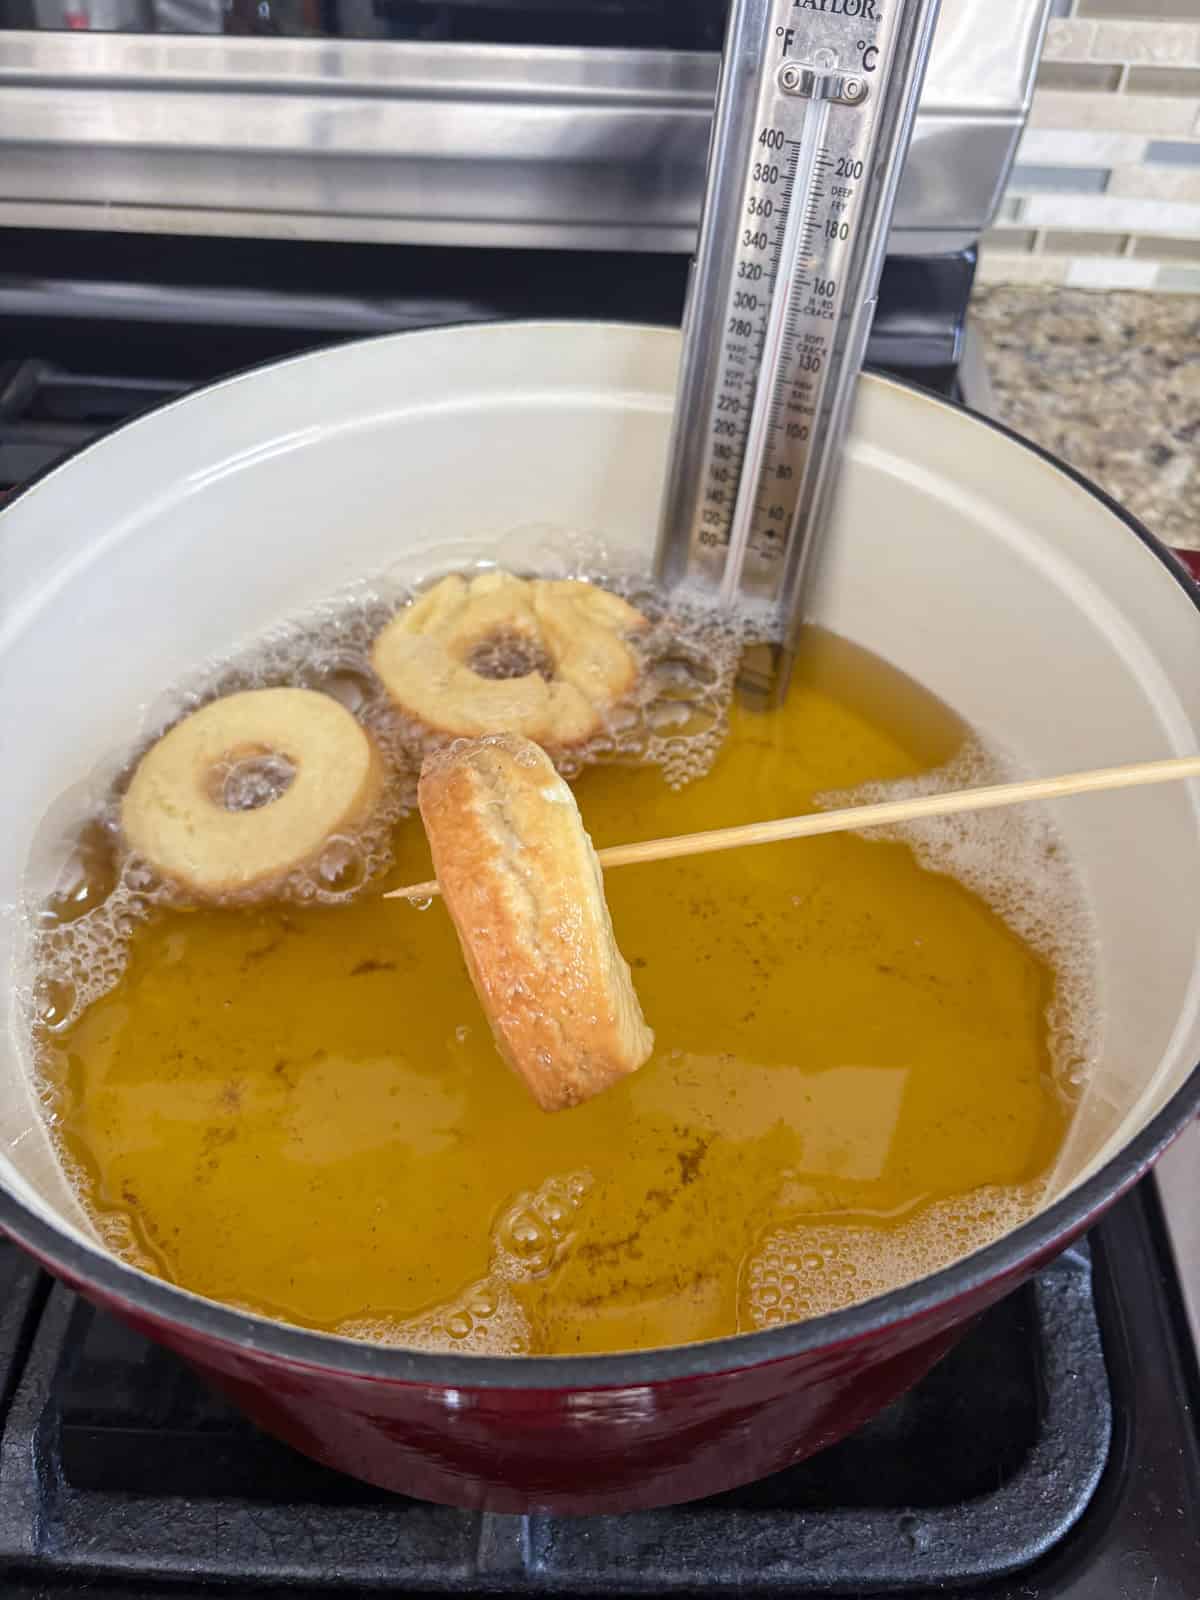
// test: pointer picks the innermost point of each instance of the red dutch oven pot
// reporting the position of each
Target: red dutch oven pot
(961, 553)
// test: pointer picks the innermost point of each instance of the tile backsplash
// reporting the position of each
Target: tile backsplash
(1106, 190)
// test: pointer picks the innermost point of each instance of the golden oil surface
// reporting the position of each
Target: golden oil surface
(301, 1110)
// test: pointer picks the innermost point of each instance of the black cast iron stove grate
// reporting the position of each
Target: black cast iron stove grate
(116, 1460)
(1041, 1456)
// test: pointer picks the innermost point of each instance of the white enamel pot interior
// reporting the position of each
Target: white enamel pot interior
(974, 564)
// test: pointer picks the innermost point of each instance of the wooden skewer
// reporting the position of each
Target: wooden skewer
(885, 814)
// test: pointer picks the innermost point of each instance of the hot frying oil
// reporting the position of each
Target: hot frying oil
(300, 1109)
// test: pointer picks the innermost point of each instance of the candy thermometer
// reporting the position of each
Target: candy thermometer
(815, 111)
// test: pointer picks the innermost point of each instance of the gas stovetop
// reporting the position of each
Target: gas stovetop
(1055, 1455)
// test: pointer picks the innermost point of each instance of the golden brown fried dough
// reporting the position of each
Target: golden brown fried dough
(175, 812)
(524, 889)
(497, 654)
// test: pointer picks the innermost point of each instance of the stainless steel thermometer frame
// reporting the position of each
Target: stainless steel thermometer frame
(815, 110)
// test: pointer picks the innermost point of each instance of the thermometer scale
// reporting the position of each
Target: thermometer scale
(815, 111)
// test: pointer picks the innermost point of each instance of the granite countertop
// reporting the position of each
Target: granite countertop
(1109, 381)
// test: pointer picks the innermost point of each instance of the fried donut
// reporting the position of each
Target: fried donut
(498, 654)
(176, 812)
(524, 890)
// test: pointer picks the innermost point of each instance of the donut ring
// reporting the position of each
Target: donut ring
(524, 890)
(174, 814)
(498, 654)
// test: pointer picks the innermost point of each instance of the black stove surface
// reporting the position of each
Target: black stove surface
(81, 353)
(1053, 1454)
(578, 24)
(611, 24)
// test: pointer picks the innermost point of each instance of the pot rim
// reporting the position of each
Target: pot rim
(135, 1292)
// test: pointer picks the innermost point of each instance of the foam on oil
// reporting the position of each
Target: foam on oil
(675, 721)
(811, 1268)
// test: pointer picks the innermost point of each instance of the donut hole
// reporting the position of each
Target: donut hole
(247, 780)
(509, 653)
